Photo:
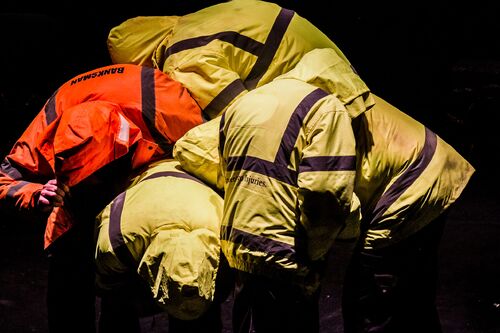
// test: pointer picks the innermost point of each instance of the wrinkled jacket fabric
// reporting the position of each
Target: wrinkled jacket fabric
(406, 174)
(198, 153)
(225, 50)
(288, 162)
(165, 227)
(90, 121)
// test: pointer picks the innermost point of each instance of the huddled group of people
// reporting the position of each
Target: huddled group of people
(224, 152)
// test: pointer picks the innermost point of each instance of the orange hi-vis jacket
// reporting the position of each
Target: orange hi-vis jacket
(90, 121)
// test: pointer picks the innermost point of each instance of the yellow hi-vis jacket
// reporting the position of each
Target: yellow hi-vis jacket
(406, 175)
(288, 162)
(165, 227)
(222, 51)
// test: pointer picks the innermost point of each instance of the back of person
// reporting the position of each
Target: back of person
(221, 51)
(163, 233)
(407, 179)
(407, 175)
(266, 156)
(91, 120)
(288, 161)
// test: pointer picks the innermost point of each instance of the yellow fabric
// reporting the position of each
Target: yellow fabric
(323, 68)
(208, 67)
(198, 153)
(170, 226)
(136, 40)
(303, 216)
(388, 142)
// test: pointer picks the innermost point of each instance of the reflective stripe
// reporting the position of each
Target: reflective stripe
(328, 163)
(149, 108)
(222, 136)
(172, 174)
(406, 179)
(115, 233)
(279, 168)
(50, 109)
(238, 40)
(258, 243)
(264, 52)
(263, 167)
(270, 47)
(7, 169)
(13, 189)
(295, 124)
(123, 134)
(223, 99)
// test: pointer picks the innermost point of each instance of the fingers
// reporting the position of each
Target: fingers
(52, 194)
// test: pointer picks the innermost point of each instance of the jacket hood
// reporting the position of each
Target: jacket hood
(181, 268)
(326, 70)
(136, 40)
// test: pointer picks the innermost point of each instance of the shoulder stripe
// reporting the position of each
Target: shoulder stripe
(267, 54)
(295, 124)
(149, 108)
(172, 174)
(115, 233)
(238, 40)
(50, 109)
(223, 99)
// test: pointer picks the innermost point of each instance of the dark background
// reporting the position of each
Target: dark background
(437, 61)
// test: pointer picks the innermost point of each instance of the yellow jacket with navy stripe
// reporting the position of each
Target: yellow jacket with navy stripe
(406, 175)
(288, 162)
(165, 227)
(223, 51)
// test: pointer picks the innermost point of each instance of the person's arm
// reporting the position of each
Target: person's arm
(24, 170)
(326, 177)
(16, 192)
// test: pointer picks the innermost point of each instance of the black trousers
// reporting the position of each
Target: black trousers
(71, 294)
(122, 309)
(393, 289)
(266, 305)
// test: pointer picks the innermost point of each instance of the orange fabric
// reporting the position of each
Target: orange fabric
(89, 122)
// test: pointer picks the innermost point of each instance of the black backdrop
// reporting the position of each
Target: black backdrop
(438, 62)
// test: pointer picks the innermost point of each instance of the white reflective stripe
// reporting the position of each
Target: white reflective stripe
(123, 135)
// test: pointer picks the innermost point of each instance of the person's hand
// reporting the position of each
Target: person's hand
(52, 195)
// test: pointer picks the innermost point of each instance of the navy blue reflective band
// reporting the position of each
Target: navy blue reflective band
(115, 233)
(406, 179)
(258, 243)
(149, 108)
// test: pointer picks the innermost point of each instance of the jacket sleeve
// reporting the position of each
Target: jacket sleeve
(27, 167)
(326, 176)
